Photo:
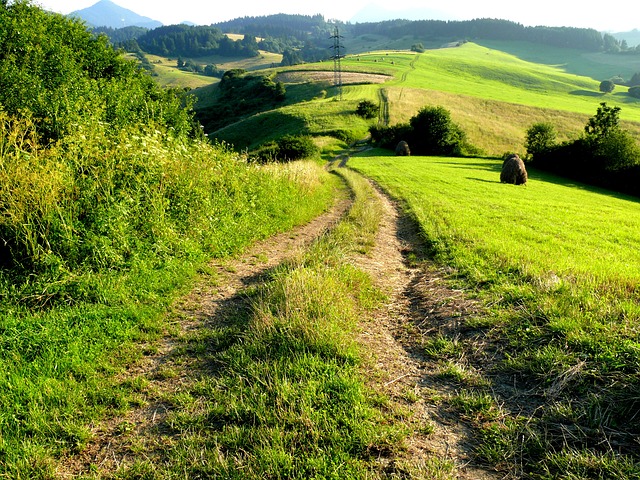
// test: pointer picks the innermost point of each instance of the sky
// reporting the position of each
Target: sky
(618, 16)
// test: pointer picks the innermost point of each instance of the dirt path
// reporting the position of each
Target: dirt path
(419, 305)
(165, 368)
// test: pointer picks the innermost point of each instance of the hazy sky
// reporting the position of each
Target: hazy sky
(621, 15)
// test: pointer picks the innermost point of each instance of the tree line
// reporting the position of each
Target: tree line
(190, 41)
(304, 38)
(492, 29)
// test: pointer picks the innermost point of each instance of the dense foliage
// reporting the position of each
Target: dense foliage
(240, 94)
(605, 155)
(61, 76)
(491, 29)
(286, 149)
(316, 30)
(367, 109)
(299, 27)
(195, 41)
(430, 132)
(121, 36)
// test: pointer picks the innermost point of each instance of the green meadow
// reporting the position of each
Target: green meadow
(493, 95)
(556, 265)
(115, 216)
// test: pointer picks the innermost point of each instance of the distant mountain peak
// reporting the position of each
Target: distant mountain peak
(106, 13)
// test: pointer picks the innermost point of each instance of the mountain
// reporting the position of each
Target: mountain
(632, 37)
(105, 13)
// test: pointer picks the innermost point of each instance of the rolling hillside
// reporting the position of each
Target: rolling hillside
(495, 96)
(172, 308)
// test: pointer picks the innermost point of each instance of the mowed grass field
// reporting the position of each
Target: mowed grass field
(557, 266)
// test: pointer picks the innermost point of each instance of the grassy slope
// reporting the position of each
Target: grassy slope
(495, 96)
(168, 74)
(599, 66)
(558, 263)
(61, 363)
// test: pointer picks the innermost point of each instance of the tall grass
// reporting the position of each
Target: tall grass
(558, 265)
(99, 233)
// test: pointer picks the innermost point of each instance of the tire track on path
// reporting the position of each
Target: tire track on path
(401, 370)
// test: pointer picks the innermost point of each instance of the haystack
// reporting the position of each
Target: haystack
(513, 170)
(402, 149)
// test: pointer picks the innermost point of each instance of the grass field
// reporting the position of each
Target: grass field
(557, 266)
(493, 95)
(67, 336)
(168, 74)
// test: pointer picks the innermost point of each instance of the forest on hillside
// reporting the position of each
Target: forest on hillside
(304, 38)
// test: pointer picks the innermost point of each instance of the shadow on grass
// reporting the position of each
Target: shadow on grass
(586, 93)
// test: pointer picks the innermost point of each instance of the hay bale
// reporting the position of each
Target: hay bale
(513, 170)
(402, 149)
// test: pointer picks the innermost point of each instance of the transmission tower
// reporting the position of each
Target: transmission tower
(337, 64)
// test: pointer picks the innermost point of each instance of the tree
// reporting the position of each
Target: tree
(635, 91)
(635, 80)
(434, 133)
(603, 122)
(612, 147)
(617, 150)
(367, 109)
(607, 86)
(291, 57)
(540, 138)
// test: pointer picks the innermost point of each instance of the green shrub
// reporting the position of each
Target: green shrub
(607, 86)
(635, 91)
(388, 137)
(367, 109)
(540, 137)
(430, 132)
(54, 69)
(434, 133)
(286, 149)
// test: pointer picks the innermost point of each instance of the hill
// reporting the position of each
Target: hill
(106, 13)
(632, 38)
(494, 95)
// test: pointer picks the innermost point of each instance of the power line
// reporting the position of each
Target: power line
(337, 63)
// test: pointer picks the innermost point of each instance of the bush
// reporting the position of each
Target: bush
(286, 149)
(539, 138)
(430, 132)
(607, 86)
(367, 109)
(434, 133)
(606, 155)
(635, 91)
(62, 75)
(296, 147)
(388, 137)
(617, 150)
